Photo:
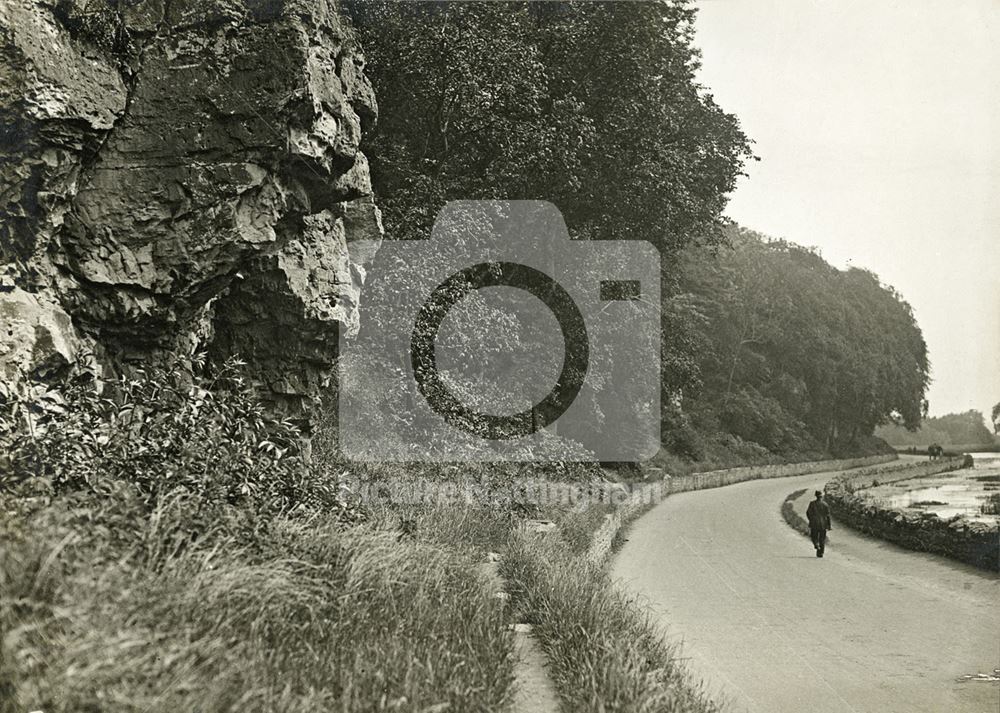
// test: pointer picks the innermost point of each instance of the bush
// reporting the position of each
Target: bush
(160, 430)
(762, 419)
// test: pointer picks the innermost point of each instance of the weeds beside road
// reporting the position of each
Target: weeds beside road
(168, 551)
(603, 652)
(311, 617)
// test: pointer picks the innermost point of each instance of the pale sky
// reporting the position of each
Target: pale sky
(877, 123)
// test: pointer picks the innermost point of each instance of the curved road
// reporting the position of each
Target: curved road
(770, 628)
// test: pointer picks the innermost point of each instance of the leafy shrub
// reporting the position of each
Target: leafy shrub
(403, 436)
(160, 431)
(761, 419)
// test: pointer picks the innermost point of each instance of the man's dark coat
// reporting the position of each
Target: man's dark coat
(818, 514)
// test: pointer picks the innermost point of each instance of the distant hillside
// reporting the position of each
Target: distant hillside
(952, 429)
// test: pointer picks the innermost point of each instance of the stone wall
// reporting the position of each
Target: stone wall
(971, 542)
(902, 470)
(182, 175)
(729, 476)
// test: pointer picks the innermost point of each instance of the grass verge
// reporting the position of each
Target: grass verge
(166, 547)
(577, 526)
(796, 521)
(621, 534)
(305, 615)
(603, 651)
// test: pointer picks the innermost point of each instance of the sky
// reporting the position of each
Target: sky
(877, 124)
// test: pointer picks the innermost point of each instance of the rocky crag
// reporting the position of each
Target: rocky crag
(179, 175)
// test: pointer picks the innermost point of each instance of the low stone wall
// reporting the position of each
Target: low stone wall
(729, 476)
(648, 495)
(974, 543)
(892, 472)
(637, 503)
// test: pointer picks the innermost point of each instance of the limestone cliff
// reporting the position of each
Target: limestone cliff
(177, 174)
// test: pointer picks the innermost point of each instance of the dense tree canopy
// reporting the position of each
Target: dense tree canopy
(594, 106)
(591, 105)
(795, 352)
(953, 429)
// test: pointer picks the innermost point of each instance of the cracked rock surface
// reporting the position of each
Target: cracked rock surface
(178, 174)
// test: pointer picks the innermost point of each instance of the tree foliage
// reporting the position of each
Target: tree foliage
(796, 352)
(953, 429)
(593, 106)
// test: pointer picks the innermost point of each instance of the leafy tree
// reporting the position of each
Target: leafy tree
(799, 354)
(593, 106)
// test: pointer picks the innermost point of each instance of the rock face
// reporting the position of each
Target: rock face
(178, 174)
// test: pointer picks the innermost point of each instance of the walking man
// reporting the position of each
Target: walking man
(818, 514)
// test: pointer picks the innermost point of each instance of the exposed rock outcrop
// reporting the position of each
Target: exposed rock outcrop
(179, 174)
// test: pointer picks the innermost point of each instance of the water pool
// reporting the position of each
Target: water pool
(946, 495)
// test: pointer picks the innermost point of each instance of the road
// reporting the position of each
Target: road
(770, 628)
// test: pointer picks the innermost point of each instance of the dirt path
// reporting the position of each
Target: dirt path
(534, 691)
(771, 628)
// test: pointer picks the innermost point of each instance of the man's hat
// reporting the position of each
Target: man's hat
(819, 493)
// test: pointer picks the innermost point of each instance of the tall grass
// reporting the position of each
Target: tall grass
(604, 653)
(312, 617)
(577, 526)
(166, 547)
